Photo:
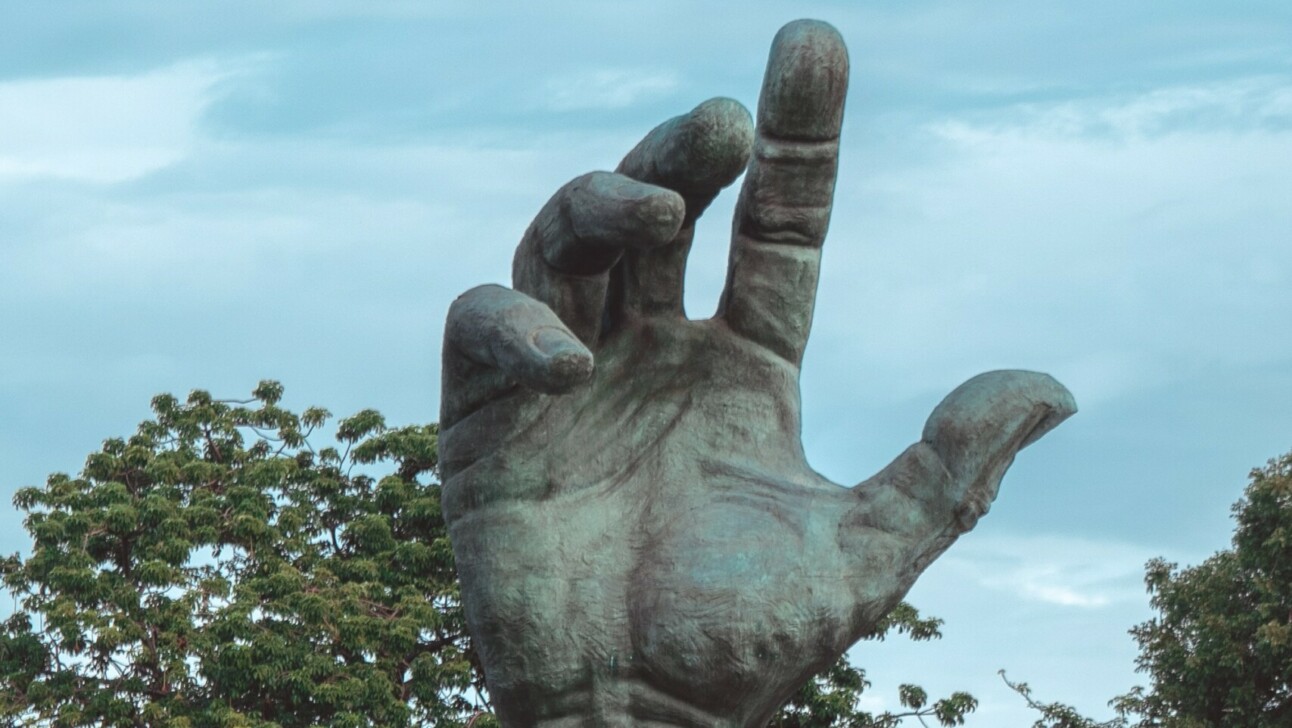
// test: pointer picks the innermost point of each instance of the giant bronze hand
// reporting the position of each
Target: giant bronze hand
(639, 538)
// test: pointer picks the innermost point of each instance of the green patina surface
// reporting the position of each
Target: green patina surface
(639, 537)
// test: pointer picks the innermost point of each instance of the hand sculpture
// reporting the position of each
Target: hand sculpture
(639, 538)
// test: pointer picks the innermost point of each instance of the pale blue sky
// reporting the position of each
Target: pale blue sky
(205, 195)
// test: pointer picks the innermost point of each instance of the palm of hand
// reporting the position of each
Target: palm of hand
(643, 542)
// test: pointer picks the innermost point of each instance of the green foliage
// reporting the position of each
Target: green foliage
(215, 569)
(1058, 715)
(1220, 650)
(830, 700)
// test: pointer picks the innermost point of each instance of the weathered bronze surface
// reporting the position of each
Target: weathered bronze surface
(639, 538)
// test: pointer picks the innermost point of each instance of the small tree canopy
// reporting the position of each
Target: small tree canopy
(831, 699)
(1220, 650)
(215, 569)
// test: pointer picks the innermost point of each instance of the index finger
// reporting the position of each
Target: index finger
(785, 203)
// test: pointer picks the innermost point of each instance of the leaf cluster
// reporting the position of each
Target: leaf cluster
(1219, 650)
(215, 569)
(832, 699)
(1058, 715)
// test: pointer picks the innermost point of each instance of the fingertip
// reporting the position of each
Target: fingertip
(1057, 398)
(719, 138)
(563, 362)
(612, 211)
(994, 414)
(521, 338)
(806, 83)
(657, 215)
(697, 154)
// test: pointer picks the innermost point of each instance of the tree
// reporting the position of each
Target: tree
(216, 569)
(1059, 715)
(1219, 651)
(830, 700)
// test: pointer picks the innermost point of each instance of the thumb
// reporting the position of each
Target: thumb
(912, 510)
(978, 429)
(496, 338)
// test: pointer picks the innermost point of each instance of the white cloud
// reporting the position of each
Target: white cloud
(1235, 104)
(1063, 571)
(1120, 242)
(323, 210)
(605, 88)
(103, 128)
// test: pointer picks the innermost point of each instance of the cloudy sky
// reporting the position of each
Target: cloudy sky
(207, 195)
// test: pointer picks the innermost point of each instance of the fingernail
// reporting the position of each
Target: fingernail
(553, 343)
(617, 211)
(568, 360)
(1059, 406)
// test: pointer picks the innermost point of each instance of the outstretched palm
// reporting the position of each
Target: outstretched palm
(639, 538)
